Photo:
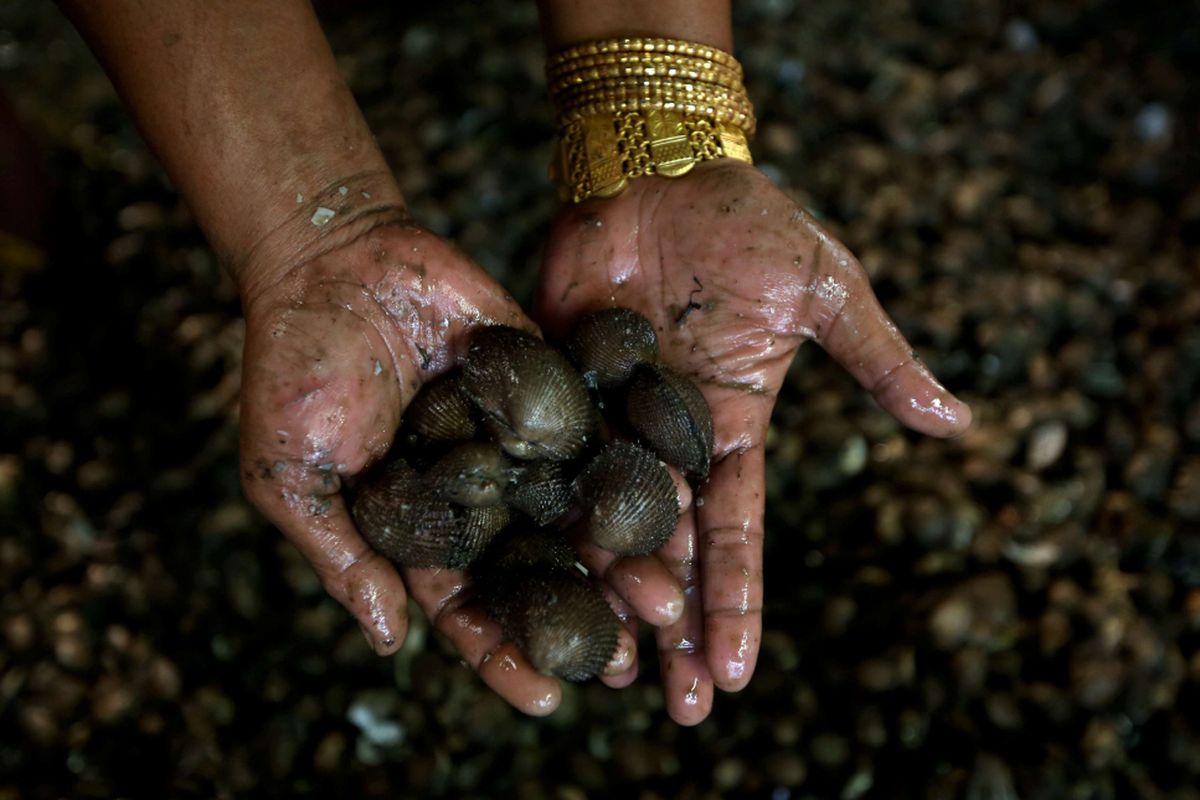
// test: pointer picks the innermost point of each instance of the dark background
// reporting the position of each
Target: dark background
(1014, 614)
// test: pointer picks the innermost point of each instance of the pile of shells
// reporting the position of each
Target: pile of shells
(497, 458)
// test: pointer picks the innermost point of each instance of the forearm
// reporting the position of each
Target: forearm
(243, 104)
(568, 22)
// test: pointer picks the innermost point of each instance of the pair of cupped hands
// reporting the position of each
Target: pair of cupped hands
(734, 277)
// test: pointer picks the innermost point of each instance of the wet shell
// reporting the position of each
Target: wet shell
(441, 412)
(512, 559)
(532, 398)
(542, 491)
(608, 344)
(670, 415)
(629, 501)
(401, 519)
(473, 474)
(562, 624)
(520, 549)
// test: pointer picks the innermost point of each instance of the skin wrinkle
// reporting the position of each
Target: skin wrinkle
(726, 447)
(342, 233)
(885, 380)
(417, 330)
(451, 599)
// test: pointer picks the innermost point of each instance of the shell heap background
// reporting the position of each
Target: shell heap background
(1016, 613)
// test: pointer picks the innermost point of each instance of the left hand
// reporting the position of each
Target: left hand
(734, 277)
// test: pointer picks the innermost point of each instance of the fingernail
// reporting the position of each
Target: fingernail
(671, 610)
(621, 661)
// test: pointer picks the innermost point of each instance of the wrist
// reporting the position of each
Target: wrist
(312, 224)
(569, 22)
(244, 105)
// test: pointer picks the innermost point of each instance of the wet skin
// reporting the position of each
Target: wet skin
(343, 333)
(734, 277)
(336, 346)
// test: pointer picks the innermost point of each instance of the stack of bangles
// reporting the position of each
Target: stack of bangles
(632, 107)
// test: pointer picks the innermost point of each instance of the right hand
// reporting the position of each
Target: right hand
(337, 344)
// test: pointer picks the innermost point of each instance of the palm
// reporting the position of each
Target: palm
(334, 352)
(734, 277)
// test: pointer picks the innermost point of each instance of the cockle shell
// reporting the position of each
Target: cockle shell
(562, 624)
(473, 474)
(671, 417)
(440, 412)
(541, 490)
(403, 520)
(465, 503)
(530, 395)
(606, 346)
(520, 549)
(529, 584)
(629, 500)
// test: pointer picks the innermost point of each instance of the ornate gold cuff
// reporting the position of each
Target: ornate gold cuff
(632, 107)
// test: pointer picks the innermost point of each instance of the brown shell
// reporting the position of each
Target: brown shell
(473, 474)
(531, 397)
(541, 490)
(401, 519)
(562, 624)
(671, 417)
(606, 346)
(629, 500)
(440, 412)
(514, 553)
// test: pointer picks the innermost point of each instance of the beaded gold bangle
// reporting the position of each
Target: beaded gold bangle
(633, 44)
(644, 64)
(634, 106)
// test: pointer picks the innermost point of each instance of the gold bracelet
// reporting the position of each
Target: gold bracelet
(600, 153)
(635, 106)
(630, 44)
(722, 115)
(643, 64)
(660, 98)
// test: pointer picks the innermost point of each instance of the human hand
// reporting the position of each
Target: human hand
(734, 277)
(338, 341)
(346, 315)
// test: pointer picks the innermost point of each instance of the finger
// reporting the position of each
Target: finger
(860, 335)
(621, 670)
(480, 641)
(642, 582)
(687, 684)
(683, 490)
(305, 503)
(730, 522)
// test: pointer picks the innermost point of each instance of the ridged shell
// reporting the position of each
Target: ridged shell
(401, 519)
(670, 415)
(532, 398)
(629, 501)
(562, 624)
(520, 549)
(441, 412)
(473, 474)
(607, 345)
(541, 490)
(510, 560)
(514, 553)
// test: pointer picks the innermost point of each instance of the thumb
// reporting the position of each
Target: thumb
(839, 310)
